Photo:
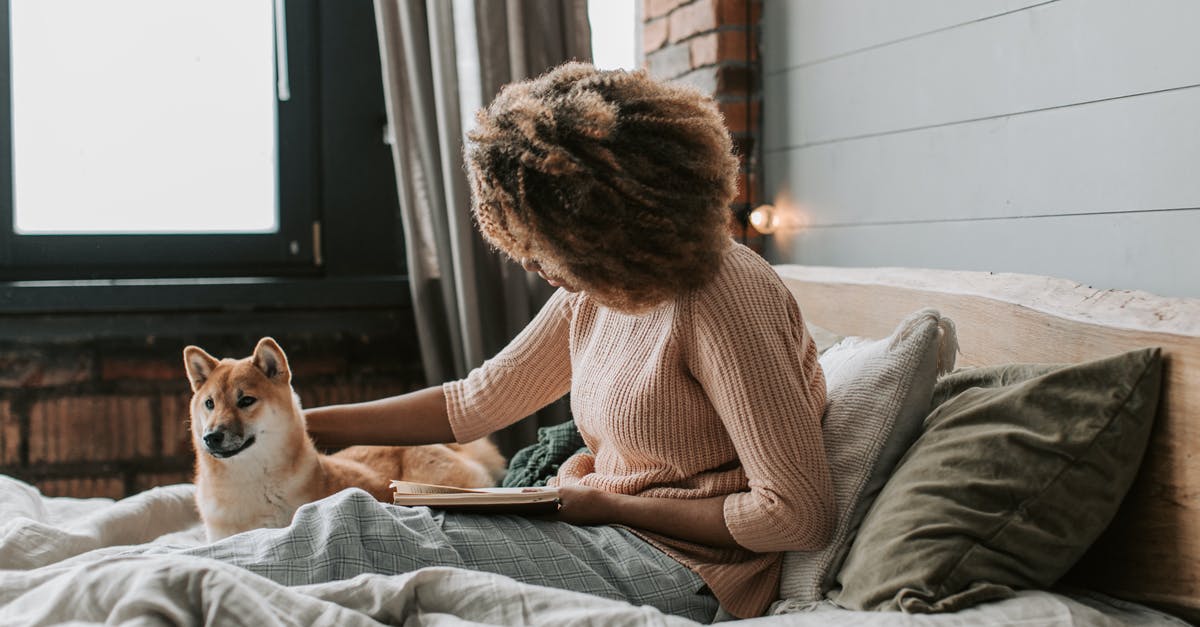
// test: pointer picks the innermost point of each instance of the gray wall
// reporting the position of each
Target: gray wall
(1058, 138)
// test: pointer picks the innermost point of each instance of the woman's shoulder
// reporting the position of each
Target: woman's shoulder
(745, 312)
(746, 285)
(743, 272)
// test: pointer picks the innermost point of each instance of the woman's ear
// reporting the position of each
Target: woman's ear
(199, 365)
(269, 358)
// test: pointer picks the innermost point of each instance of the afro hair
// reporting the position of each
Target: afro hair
(612, 181)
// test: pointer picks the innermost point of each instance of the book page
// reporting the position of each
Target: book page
(488, 500)
(412, 487)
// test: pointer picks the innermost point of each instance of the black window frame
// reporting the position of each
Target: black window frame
(289, 250)
(348, 237)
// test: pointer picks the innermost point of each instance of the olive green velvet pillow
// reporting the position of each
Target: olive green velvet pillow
(1017, 472)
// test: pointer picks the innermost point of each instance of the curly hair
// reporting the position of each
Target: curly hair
(614, 182)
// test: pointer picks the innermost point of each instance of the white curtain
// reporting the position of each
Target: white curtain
(442, 60)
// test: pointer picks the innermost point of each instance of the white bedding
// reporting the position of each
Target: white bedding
(78, 561)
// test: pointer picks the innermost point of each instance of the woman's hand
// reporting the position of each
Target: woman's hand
(694, 520)
(581, 505)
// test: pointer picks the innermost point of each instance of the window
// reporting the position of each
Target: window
(160, 129)
(142, 139)
(614, 30)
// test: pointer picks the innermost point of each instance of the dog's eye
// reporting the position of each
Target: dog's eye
(246, 401)
(209, 404)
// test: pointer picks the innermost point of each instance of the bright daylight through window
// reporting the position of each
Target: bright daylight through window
(614, 23)
(143, 116)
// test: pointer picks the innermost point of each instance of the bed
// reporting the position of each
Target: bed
(95, 560)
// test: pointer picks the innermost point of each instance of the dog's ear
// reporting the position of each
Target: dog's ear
(199, 365)
(269, 358)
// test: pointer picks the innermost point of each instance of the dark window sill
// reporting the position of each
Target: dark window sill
(125, 309)
(210, 294)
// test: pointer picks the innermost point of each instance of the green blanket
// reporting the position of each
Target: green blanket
(535, 464)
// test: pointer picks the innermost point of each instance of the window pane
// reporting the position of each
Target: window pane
(143, 116)
(614, 24)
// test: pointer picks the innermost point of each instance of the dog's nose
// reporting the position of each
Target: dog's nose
(214, 440)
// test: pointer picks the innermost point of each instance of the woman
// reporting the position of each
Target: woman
(692, 378)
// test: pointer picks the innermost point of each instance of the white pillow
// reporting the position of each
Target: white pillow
(822, 337)
(879, 394)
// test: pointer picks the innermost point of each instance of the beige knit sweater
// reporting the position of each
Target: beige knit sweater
(716, 393)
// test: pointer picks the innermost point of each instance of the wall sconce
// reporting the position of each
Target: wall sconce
(763, 219)
(780, 217)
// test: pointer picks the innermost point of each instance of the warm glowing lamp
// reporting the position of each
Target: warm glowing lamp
(764, 219)
(783, 218)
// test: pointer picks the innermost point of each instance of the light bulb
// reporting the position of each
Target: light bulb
(764, 219)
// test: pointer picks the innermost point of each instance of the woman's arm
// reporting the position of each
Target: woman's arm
(750, 353)
(414, 418)
(695, 520)
(530, 373)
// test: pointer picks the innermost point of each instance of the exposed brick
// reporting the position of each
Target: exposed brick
(19, 367)
(322, 395)
(23, 368)
(737, 114)
(736, 118)
(734, 11)
(144, 482)
(10, 436)
(91, 428)
(83, 487)
(704, 79)
(704, 50)
(658, 8)
(670, 62)
(654, 34)
(310, 366)
(735, 47)
(726, 45)
(735, 80)
(339, 394)
(176, 427)
(727, 83)
(142, 369)
(698, 17)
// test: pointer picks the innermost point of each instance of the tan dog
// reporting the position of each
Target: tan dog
(255, 464)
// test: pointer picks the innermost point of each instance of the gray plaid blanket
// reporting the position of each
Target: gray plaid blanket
(142, 561)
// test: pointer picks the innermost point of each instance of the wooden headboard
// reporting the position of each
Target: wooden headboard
(1151, 551)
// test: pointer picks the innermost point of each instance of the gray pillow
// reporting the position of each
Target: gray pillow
(1015, 475)
(879, 393)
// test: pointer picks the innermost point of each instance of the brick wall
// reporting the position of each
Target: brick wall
(110, 417)
(713, 45)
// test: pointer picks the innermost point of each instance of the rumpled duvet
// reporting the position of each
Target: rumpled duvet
(98, 562)
(95, 561)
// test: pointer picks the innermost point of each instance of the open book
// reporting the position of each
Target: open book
(527, 501)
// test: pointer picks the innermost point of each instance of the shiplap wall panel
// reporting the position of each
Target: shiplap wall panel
(1058, 138)
(1122, 250)
(1055, 54)
(1116, 155)
(813, 31)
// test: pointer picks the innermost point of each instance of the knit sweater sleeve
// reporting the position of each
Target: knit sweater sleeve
(750, 352)
(531, 372)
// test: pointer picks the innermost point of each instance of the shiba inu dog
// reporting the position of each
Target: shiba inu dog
(255, 464)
